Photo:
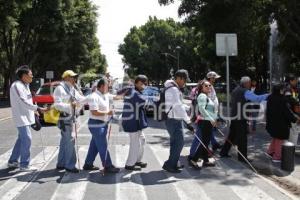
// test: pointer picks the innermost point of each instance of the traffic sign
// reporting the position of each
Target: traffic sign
(226, 44)
(49, 75)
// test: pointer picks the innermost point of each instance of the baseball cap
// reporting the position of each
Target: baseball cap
(212, 74)
(69, 73)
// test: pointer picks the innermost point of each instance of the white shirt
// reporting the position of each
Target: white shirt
(62, 98)
(21, 104)
(100, 102)
(174, 101)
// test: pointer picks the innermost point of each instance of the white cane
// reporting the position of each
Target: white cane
(43, 147)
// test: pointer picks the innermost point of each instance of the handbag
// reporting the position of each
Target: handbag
(37, 125)
(52, 116)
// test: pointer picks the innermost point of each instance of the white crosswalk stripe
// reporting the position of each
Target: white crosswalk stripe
(73, 186)
(127, 188)
(186, 188)
(208, 184)
(13, 187)
(4, 158)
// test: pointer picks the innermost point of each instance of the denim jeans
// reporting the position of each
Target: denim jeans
(67, 155)
(98, 143)
(175, 130)
(22, 147)
(196, 144)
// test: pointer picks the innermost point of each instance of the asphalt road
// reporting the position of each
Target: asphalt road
(228, 180)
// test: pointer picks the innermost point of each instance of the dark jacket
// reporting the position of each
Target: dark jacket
(134, 116)
(237, 102)
(279, 117)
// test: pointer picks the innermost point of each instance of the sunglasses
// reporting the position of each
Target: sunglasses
(208, 86)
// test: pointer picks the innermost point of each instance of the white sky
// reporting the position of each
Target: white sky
(115, 19)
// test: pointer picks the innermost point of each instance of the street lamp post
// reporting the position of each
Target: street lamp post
(178, 49)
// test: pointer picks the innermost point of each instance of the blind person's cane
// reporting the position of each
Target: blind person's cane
(211, 153)
(76, 136)
(106, 151)
(235, 147)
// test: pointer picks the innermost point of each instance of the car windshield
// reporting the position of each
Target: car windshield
(46, 90)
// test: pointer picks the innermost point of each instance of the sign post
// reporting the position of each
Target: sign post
(226, 45)
(49, 75)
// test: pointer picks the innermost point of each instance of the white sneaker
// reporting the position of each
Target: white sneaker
(12, 165)
(27, 169)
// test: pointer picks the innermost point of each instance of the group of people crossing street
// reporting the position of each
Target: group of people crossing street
(282, 120)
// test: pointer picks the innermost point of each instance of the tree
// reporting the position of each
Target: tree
(48, 35)
(151, 48)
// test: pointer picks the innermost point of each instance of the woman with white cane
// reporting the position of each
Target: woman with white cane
(209, 117)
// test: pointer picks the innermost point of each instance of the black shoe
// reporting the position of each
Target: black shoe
(194, 164)
(112, 169)
(74, 170)
(171, 170)
(133, 168)
(216, 146)
(208, 164)
(60, 168)
(141, 164)
(90, 167)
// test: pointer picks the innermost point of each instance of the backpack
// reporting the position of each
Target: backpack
(194, 111)
(161, 114)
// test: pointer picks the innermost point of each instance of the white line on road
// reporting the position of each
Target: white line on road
(73, 186)
(12, 188)
(4, 158)
(129, 186)
(186, 187)
(6, 118)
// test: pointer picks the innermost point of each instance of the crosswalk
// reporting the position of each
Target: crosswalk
(239, 183)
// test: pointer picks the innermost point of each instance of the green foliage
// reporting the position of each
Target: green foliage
(49, 35)
(144, 48)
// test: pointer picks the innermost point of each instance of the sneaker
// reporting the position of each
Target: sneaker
(171, 170)
(141, 164)
(112, 169)
(74, 170)
(208, 164)
(12, 165)
(276, 161)
(133, 168)
(194, 164)
(90, 167)
(27, 169)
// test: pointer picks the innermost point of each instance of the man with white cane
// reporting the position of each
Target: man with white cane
(67, 100)
(100, 113)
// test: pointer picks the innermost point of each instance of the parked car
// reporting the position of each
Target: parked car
(152, 94)
(44, 96)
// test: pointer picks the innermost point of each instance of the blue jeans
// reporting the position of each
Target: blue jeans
(175, 130)
(22, 147)
(196, 144)
(67, 155)
(98, 143)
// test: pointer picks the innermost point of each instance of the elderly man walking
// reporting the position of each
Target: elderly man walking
(239, 127)
(23, 115)
(67, 99)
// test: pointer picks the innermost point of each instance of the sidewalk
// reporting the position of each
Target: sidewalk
(5, 113)
(258, 143)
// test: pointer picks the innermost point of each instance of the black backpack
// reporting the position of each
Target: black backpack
(161, 114)
(194, 111)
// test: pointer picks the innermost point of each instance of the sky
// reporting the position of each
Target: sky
(116, 17)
